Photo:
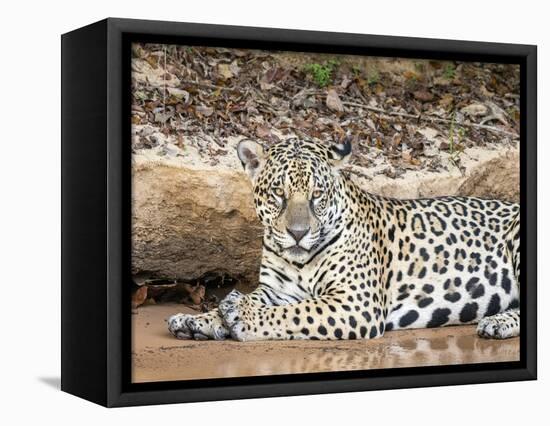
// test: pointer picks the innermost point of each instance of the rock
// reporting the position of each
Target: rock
(192, 220)
(188, 222)
(497, 178)
(486, 174)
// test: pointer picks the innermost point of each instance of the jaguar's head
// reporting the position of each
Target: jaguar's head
(297, 192)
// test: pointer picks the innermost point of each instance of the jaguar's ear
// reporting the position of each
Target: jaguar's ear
(340, 153)
(251, 155)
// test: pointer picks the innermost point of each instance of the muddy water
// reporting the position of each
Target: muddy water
(157, 356)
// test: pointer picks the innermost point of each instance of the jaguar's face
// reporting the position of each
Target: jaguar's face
(295, 191)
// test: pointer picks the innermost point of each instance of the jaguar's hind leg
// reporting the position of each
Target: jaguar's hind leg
(500, 326)
(505, 324)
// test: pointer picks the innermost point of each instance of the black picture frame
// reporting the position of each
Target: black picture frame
(96, 212)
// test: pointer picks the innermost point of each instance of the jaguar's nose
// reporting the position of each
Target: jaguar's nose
(297, 233)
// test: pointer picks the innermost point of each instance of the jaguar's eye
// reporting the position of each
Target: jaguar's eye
(317, 193)
(279, 192)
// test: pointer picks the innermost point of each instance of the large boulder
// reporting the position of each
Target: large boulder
(484, 173)
(192, 221)
(497, 178)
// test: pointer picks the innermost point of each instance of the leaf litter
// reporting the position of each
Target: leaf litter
(403, 114)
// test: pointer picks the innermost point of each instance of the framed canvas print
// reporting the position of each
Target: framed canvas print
(252, 212)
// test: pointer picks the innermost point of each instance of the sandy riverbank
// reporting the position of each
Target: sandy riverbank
(157, 356)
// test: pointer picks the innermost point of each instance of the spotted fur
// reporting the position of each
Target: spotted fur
(341, 263)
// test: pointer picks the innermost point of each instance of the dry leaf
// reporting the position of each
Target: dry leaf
(139, 296)
(428, 133)
(263, 132)
(204, 110)
(422, 95)
(396, 139)
(234, 68)
(196, 293)
(178, 93)
(333, 101)
(446, 100)
(224, 71)
(475, 110)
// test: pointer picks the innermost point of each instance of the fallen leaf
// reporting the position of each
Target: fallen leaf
(371, 124)
(430, 151)
(422, 95)
(396, 139)
(446, 100)
(441, 81)
(178, 93)
(303, 124)
(224, 71)
(163, 117)
(309, 102)
(139, 296)
(140, 95)
(204, 110)
(485, 92)
(497, 113)
(428, 133)
(152, 60)
(263, 132)
(475, 110)
(333, 101)
(444, 146)
(234, 68)
(411, 75)
(345, 82)
(196, 293)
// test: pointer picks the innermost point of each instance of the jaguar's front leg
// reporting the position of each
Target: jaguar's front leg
(198, 327)
(209, 325)
(322, 318)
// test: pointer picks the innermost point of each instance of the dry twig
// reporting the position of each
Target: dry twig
(430, 119)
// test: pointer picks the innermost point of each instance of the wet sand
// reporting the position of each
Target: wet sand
(158, 356)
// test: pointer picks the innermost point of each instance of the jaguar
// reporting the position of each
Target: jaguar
(341, 263)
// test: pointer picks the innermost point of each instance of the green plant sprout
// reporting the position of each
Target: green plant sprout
(455, 149)
(373, 77)
(322, 73)
(449, 71)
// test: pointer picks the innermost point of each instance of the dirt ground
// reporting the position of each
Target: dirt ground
(157, 356)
